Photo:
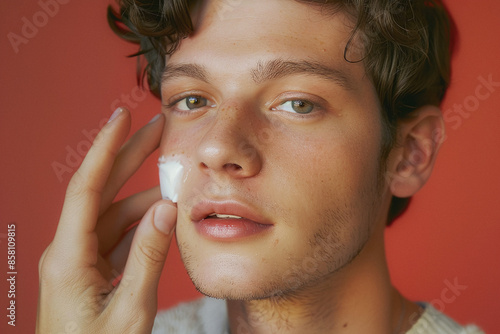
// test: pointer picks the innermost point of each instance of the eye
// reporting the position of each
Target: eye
(191, 102)
(297, 106)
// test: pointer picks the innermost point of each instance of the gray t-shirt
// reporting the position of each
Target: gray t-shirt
(209, 316)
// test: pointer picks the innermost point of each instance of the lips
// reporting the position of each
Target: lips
(227, 220)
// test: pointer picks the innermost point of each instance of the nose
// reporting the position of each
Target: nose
(230, 145)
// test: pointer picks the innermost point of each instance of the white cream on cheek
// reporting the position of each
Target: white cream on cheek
(172, 176)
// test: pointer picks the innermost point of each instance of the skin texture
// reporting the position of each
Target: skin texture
(288, 164)
(315, 178)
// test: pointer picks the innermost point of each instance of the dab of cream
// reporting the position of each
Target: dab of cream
(171, 177)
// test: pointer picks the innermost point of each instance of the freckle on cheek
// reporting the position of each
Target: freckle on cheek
(171, 137)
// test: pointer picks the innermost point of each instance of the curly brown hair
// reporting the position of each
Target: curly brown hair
(406, 43)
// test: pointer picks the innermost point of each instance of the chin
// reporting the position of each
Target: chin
(231, 277)
(235, 292)
(254, 269)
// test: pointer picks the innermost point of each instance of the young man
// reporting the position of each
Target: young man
(300, 126)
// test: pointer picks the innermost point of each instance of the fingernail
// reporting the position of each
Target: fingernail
(154, 119)
(165, 217)
(115, 114)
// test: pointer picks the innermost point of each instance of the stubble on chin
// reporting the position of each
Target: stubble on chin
(329, 250)
(344, 232)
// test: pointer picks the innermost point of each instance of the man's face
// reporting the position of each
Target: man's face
(277, 128)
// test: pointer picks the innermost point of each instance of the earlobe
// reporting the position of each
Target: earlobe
(419, 139)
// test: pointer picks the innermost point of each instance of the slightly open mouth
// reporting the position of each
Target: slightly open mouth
(220, 226)
(223, 216)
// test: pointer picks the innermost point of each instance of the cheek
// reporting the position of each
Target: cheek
(334, 173)
(174, 140)
(181, 136)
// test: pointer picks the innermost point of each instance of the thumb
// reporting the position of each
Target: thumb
(147, 256)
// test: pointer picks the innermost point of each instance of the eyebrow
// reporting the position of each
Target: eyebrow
(264, 71)
(279, 68)
(185, 70)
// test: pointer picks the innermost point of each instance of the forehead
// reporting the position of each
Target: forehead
(240, 34)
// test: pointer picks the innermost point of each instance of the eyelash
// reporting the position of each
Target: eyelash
(289, 97)
(292, 105)
(317, 104)
(180, 98)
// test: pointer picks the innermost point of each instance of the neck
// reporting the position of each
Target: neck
(359, 298)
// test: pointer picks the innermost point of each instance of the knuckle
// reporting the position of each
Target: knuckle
(50, 270)
(41, 260)
(53, 271)
(77, 185)
(150, 256)
(80, 185)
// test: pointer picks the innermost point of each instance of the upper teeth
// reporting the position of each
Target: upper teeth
(218, 215)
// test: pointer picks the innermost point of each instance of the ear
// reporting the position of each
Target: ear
(413, 157)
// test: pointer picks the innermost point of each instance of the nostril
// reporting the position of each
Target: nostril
(232, 167)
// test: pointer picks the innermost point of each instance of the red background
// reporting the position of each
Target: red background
(66, 78)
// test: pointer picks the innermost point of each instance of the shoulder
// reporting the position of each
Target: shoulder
(434, 322)
(203, 316)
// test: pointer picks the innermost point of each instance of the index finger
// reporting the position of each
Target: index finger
(75, 237)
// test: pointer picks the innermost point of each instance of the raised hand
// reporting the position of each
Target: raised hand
(94, 241)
